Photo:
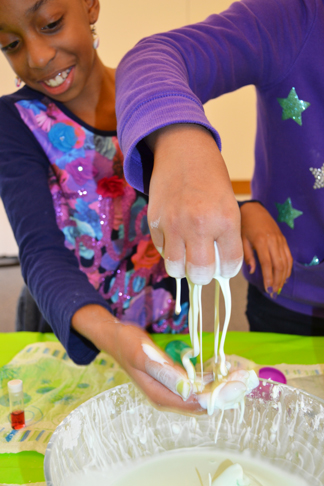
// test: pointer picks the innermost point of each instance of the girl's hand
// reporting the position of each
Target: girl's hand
(191, 204)
(261, 233)
(164, 383)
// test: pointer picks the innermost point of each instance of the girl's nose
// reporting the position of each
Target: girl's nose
(39, 53)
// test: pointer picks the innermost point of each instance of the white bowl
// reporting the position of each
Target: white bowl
(119, 427)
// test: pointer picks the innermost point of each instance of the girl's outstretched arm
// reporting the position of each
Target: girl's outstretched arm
(164, 81)
(165, 383)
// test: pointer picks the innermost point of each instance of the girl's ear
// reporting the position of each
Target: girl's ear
(93, 8)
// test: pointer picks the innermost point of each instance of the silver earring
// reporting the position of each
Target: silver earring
(18, 82)
(95, 37)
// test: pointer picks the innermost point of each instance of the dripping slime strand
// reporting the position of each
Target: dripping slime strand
(228, 390)
(178, 296)
(216, 325)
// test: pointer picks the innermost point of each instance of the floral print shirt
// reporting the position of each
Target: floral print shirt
(104, 220)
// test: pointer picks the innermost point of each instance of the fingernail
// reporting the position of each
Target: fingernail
(184, 389)
(287, 280)
(270, 290)
(274, 295)
(249, 267)
(199, 274)
(279, 291)
(175, 269)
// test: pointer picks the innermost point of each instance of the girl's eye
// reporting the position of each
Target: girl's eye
(53, 25)
(10, 47)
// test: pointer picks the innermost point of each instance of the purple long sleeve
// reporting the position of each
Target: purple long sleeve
(166, 78)
(275, 45)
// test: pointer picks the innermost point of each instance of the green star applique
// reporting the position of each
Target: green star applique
(287, 214)
(319, 177)
(315, 261)
(293, 107)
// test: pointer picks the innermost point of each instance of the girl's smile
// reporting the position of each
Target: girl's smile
(49, 45)
(59, 83)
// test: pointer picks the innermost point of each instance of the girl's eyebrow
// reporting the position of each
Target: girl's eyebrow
(31, 10)
(35, 7)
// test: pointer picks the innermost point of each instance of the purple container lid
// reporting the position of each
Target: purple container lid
(269, 373)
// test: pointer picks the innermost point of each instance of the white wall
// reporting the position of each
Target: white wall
(124, 22)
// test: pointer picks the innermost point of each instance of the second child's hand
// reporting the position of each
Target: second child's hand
(192, 205)
(164, 383)
(261, 233)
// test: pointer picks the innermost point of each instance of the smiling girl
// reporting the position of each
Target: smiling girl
(85, 249)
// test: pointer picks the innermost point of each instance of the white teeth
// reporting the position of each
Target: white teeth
(58, 80)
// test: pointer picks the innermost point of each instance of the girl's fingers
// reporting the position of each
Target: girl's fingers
(174, 253)
(278, 264)
(155, 373)
(165, 383)
(249, 255)
(230, 250)
(200, 260)
(169, 376)
(261, 232)
(157, 236)
(281, 263)
(266, 266)
(162, 396)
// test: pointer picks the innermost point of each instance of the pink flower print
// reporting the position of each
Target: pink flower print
(149, 306)
(81, 170)
(111, 187)
(146, 255)
(44, 121)
(102, 164)
(56, 113)
(95, 279)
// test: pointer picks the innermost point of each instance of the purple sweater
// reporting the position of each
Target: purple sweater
(276, 45)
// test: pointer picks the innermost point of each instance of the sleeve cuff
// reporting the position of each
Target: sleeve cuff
(149, 117)
(79, 349)
(241, 203)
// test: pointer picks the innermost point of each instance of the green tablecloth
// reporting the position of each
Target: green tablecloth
(262, 348)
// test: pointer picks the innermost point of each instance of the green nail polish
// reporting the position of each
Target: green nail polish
(183, 388)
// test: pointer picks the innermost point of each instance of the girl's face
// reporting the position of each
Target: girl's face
(48, 44)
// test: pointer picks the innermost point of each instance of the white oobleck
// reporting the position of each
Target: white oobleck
(105, 441)
(191, 467)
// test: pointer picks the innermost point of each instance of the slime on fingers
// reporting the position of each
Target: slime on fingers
(228, 390)
(159, 369)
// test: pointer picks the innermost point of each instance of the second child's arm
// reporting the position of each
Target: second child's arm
(164, 81)
(191, 204)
